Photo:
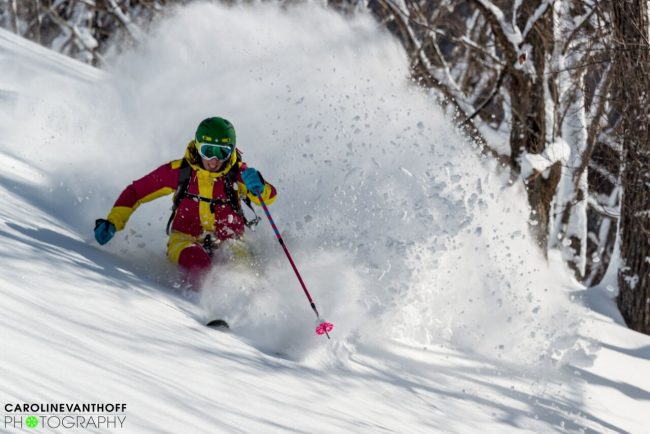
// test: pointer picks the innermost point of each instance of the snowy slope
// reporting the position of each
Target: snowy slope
(447, 319)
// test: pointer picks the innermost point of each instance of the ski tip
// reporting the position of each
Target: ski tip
(218, 323)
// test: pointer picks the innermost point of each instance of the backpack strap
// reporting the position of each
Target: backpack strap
(184, 175)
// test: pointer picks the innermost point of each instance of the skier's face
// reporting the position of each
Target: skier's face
(213, 165)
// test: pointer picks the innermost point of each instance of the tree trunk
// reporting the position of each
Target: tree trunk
(39, 24)
(632, 64)
(528, 133)
(14, 16)
(634, 274)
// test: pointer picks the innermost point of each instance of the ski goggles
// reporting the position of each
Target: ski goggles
(214, 150)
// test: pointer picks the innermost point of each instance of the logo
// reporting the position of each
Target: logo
(94, 416)
(31, 421)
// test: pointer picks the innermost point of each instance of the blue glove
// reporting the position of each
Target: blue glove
(104, 231)
(253, 181)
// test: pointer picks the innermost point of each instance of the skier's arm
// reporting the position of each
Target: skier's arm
(269, 192)
(160, 182)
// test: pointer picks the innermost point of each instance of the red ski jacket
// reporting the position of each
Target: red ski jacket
(193, 217)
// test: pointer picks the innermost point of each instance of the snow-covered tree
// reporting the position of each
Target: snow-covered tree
(632, 88)
(79, 28)
(532, 72)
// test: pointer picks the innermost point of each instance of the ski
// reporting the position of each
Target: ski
(218, 324)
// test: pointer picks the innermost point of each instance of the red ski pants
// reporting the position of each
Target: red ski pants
(185, 250)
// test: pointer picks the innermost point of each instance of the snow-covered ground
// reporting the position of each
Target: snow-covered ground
(447, 319)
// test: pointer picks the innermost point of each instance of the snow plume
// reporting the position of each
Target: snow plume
(470, 286)
(397, 228)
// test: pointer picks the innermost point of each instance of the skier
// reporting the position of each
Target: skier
(210, 181)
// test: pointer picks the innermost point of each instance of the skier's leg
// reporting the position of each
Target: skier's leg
(193, 258)
(185, 251)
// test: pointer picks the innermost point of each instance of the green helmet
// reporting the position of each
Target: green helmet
(217, 132)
